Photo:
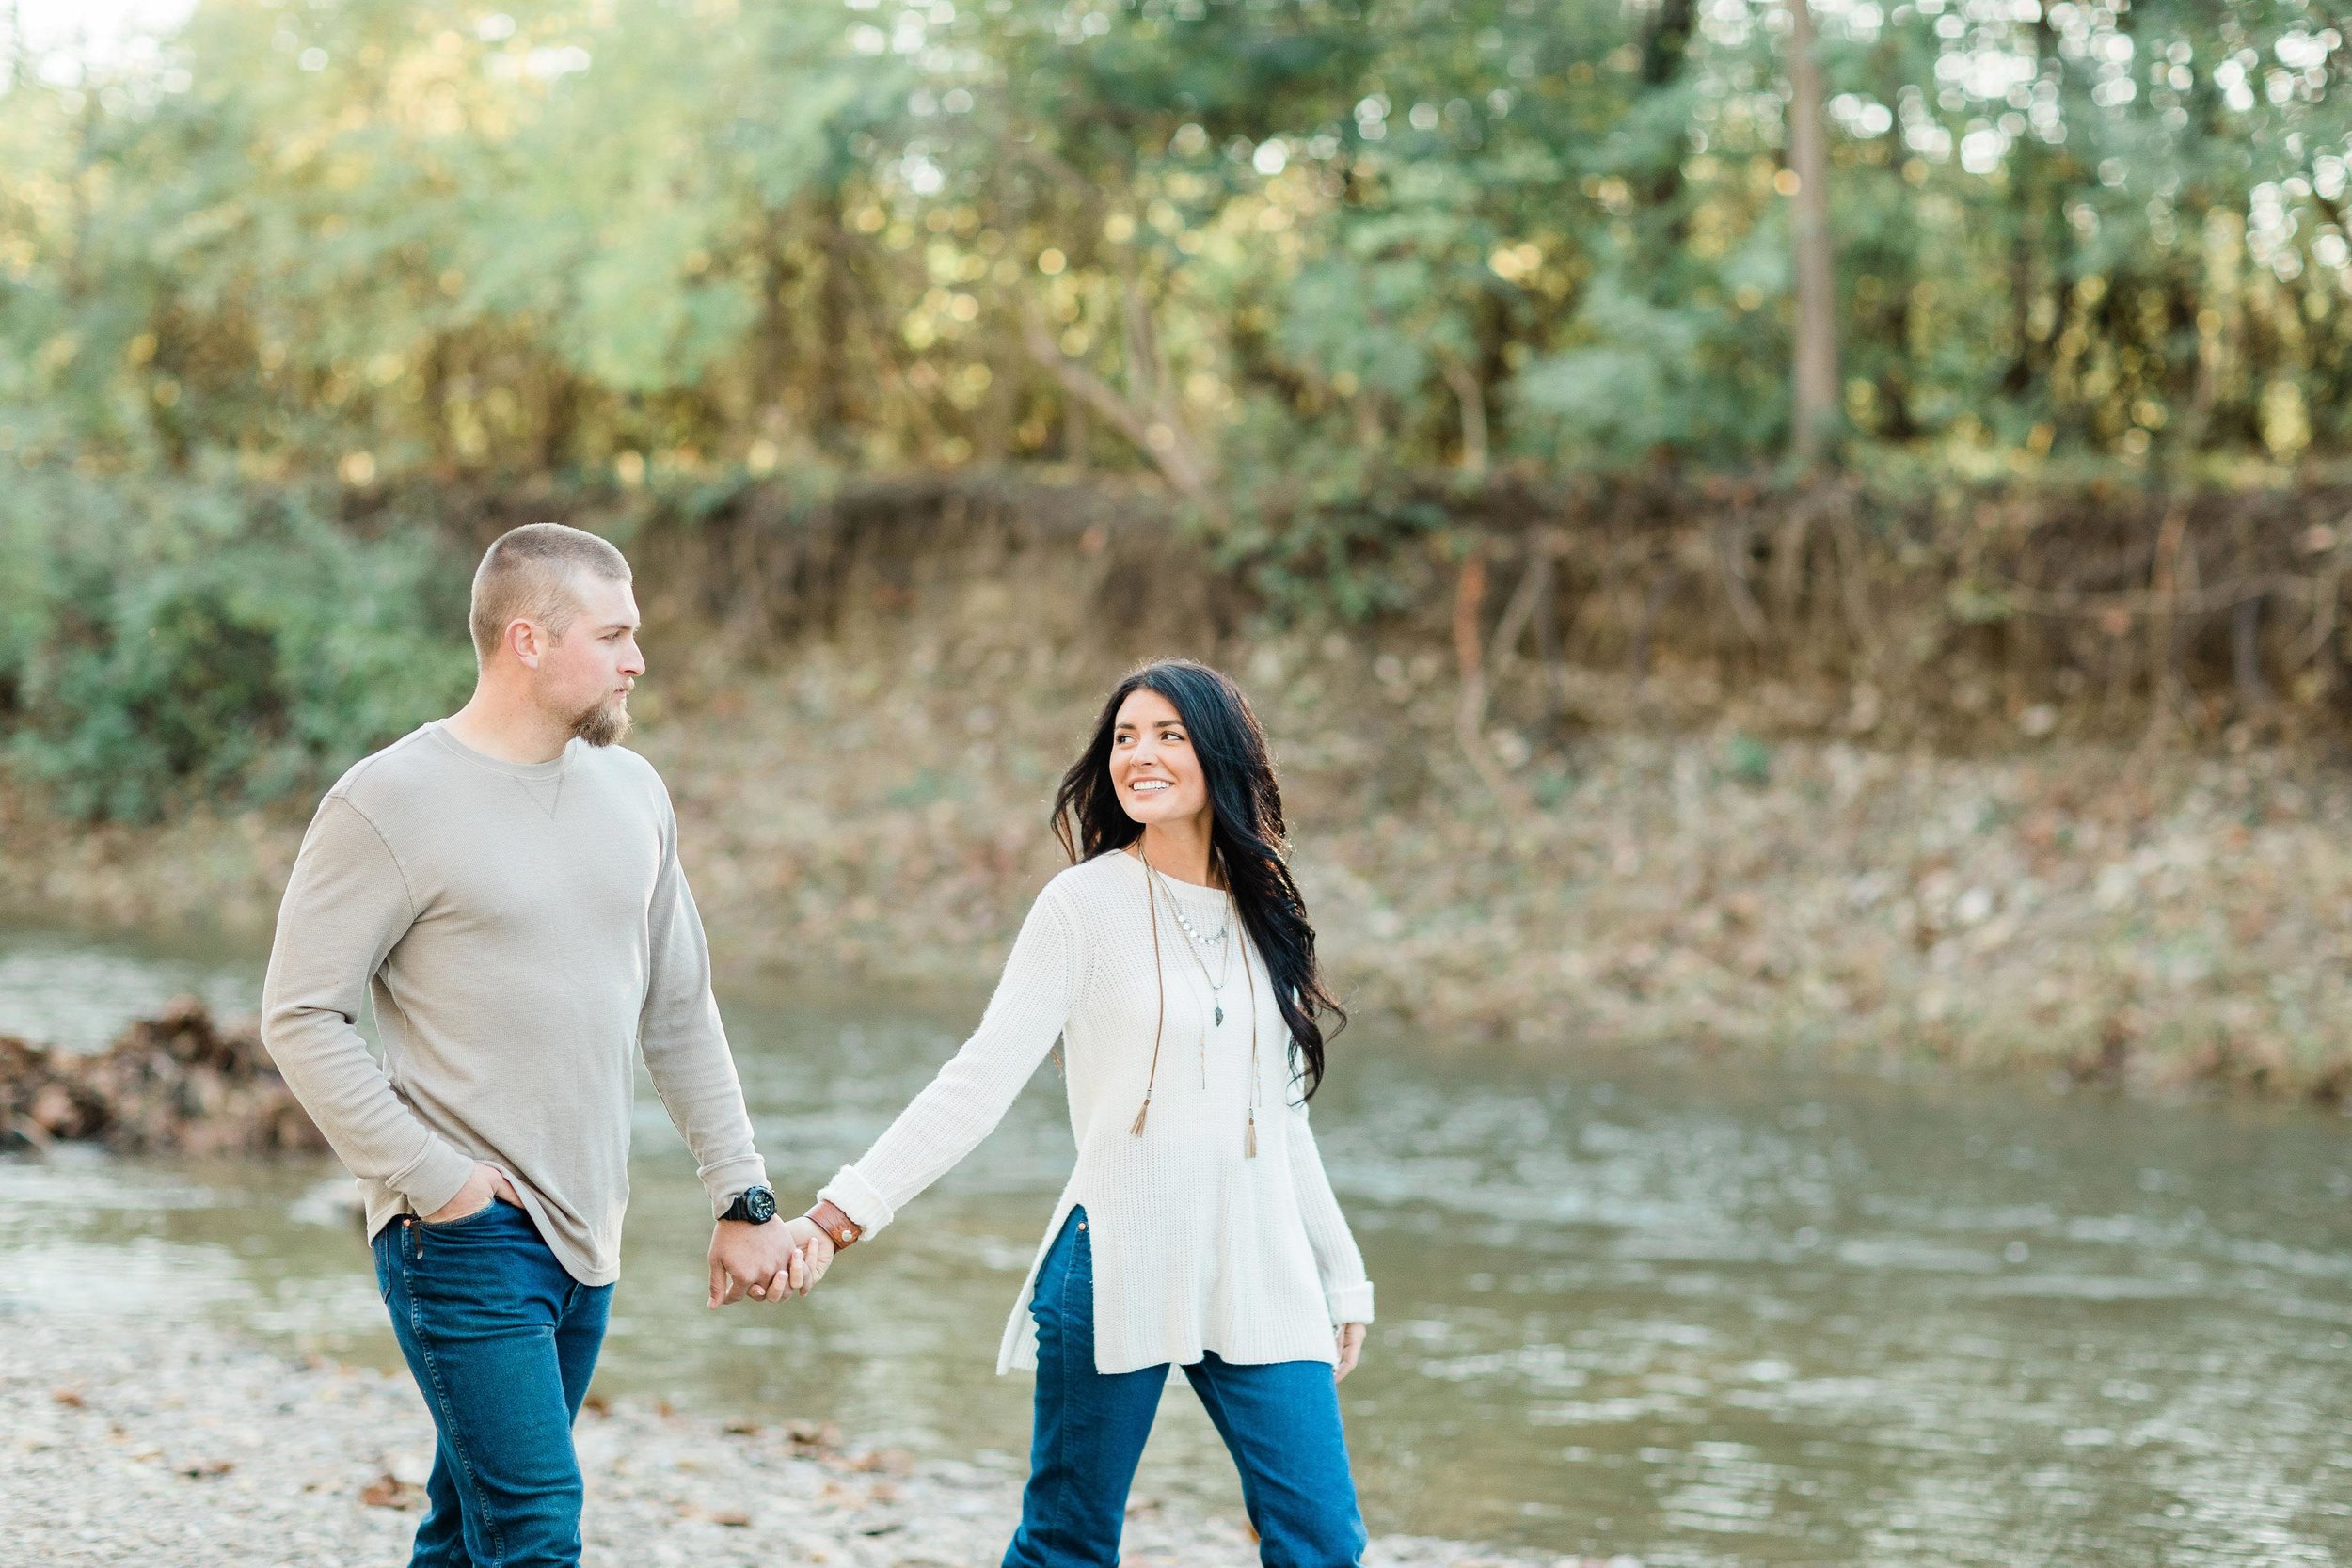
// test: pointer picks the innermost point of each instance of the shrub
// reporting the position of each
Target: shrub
(161, 643)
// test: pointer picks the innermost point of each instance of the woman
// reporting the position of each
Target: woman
(1175, 961)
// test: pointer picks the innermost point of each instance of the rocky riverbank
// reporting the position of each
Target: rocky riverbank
(1662, 864)
(192, 1449)
(179, 1083)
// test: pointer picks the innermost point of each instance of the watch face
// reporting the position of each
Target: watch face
(759, 1205)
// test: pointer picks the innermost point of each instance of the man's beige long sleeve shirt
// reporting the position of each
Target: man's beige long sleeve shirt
(523, 932)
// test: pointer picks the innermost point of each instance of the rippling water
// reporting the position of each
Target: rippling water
(1696, 1312)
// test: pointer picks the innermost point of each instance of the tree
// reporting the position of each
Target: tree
(1813, 401)
(1254, 247)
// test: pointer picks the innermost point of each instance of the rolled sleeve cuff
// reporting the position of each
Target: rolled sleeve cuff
(1350, 1304)
(728, 1180)
(435, 1179)
(854, 1195)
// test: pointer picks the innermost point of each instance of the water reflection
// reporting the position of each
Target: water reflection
(1707, 1314)
(62, 989)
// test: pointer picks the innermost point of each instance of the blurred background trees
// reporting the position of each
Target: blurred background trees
(1237, 242)
(1320, 267)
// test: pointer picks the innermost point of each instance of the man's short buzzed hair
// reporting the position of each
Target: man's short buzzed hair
(527, 574)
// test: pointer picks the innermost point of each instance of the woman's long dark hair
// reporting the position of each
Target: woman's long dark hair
(1246, 838)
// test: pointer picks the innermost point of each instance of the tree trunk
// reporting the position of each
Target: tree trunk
(833, 411)
(1146, 414)
(2019, 378)
(773, 335)
(1074, 431)
(1665, 43)
(1472, 397)
(1815, 370)
(559, 414)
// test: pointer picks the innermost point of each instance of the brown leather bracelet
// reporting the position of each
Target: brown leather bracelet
(834, 1223)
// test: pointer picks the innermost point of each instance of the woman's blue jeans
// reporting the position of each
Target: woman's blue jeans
(503, 1342)
(1280, 1421)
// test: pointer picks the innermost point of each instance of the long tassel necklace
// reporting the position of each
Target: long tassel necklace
(1159, 1023)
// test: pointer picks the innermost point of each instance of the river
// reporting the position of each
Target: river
(1694, 1311)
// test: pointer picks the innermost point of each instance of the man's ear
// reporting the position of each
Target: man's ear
(526, 641)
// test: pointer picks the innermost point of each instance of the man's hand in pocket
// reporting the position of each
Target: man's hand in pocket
(486, 1186)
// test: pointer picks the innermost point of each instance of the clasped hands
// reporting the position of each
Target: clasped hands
(766, 1262)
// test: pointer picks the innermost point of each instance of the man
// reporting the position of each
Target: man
(503, 884)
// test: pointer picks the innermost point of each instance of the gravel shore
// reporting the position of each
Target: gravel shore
(188, 1448)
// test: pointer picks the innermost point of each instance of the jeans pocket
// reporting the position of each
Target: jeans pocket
(492, 1255)
(441, 1227)
(1068, 1269)
(1078, 1264)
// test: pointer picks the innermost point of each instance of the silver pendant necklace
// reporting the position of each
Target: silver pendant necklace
(1217, 944)
(1225, 962)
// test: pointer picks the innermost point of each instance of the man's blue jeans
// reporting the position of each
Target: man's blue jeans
(1280, 1421)
(503, 1342)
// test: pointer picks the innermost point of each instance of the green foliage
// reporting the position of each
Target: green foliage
(1314, 262)
(1748, 760)
(206, 641)
(1353, 559)
(1631, 386)
(414, 235)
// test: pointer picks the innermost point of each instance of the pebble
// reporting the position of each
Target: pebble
(197, 1450)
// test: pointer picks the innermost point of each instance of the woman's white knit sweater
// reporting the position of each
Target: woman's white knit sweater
(1198, 1247)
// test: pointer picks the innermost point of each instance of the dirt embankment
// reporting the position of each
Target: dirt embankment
(1546, 800)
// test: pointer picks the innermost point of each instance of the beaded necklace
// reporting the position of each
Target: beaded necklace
(1225, 964)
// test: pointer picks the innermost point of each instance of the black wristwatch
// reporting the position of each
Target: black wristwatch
(756, 1206)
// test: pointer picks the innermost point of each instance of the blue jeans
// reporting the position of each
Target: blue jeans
(503, 1342)
(1280, 1421)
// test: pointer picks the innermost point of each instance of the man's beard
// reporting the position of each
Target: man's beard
(604, 724)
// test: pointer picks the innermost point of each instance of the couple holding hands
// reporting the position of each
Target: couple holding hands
(503, 887)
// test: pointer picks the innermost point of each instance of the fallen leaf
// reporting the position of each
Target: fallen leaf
(389, 1492)
(809, 1434)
